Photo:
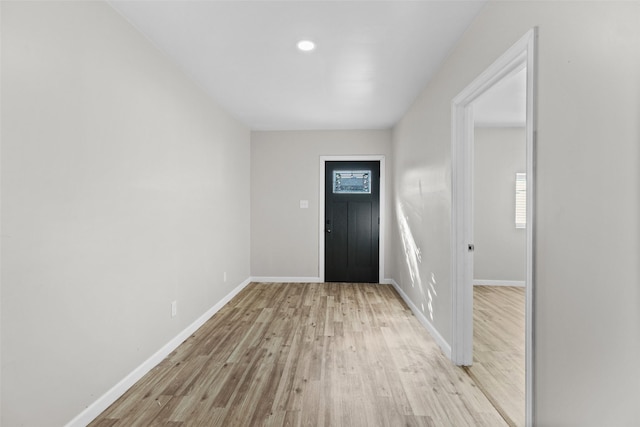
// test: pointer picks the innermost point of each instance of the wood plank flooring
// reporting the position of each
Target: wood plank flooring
(499, 348)
(322, 354)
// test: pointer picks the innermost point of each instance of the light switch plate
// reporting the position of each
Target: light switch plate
(304, 204)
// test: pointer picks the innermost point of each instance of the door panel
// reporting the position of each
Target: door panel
(362, 234)
(337, 235)
(352, 212)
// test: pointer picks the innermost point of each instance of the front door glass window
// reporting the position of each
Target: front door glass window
(352, 182)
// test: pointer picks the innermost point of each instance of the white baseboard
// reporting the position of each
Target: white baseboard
(519, 283)
(301, 280)
(97, 407)
(442, 343)
(286, 279)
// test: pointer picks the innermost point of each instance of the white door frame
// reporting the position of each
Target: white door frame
(321, 228)
(520, 55)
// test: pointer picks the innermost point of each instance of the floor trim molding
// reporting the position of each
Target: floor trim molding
(442, 343)
(286, 279)
(519, 283)
(264, 279)
(96, 408)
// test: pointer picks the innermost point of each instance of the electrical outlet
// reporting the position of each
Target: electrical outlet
(224, 276)
(174, 308)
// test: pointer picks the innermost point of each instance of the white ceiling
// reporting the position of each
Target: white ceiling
(372, 57)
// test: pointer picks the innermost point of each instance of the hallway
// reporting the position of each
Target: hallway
(307, 354)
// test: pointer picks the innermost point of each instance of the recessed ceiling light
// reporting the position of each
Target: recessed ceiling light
(306, 45)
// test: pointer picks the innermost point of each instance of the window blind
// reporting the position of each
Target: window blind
(521, 200)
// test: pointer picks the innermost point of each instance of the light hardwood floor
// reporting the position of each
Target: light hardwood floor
(307, 354)
(498, 348)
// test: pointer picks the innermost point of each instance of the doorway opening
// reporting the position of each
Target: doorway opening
(521, 56)
(499, 238)
(347, 162)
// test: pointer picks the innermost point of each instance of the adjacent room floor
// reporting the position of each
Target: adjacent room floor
(326, 354)
(499, 348)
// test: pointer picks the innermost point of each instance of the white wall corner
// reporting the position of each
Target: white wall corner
(439, 339)
(102, 403)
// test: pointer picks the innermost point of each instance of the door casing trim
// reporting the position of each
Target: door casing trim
(522, 54)
(381, 239)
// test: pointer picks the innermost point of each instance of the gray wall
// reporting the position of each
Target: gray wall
(285, 168)
(499, 246)
(587, 294)
(123, 188)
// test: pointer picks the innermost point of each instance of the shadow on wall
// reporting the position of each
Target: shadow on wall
(413, 260)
